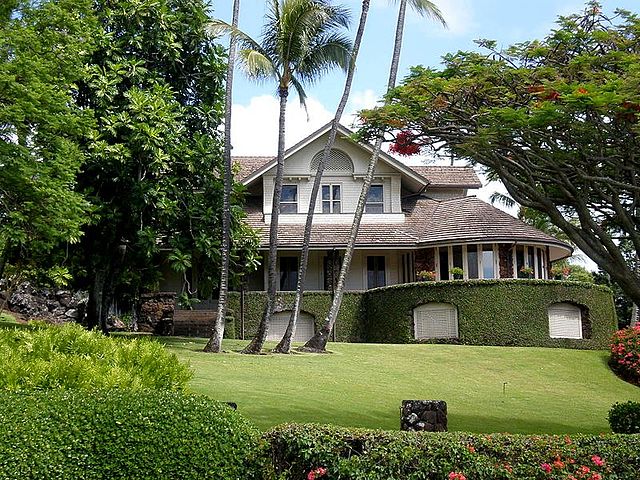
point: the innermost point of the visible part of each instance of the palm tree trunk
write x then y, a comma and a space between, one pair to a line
214, 344
318, 343
272, 281
285, 344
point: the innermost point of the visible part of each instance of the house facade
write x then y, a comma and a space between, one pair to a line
419, 222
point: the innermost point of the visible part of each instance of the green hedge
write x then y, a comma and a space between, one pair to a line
348, 326
491, 312
69, 356
357, 454
123, 434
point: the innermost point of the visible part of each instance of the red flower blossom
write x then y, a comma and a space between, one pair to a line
405, 144
546, 467
456, 476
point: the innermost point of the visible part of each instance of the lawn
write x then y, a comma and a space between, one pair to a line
487, 389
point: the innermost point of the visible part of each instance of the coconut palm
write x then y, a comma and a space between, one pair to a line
285, 344
301, 41
215, 341
319, 341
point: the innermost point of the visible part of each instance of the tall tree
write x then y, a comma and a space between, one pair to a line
43, 50
319, 341
301, 41
215, 341
285, 344
156, 92
556, 120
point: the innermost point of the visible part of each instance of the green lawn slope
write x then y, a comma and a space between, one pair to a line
487, 389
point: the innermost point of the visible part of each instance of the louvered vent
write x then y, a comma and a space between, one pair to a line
435, 320
565, 321
338, 162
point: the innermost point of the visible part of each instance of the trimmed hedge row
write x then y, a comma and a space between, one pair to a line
348, 325
491, 312
124, 434
357, 454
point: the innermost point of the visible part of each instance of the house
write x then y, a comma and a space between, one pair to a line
419, 221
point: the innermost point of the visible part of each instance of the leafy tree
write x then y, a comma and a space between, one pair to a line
43, 50
556, 120
153, 169
319, 341
301, 41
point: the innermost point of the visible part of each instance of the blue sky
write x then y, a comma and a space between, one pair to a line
425, 42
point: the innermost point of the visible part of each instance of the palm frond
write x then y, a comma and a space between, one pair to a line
302, 95
333, 50
426, 9
502, 199
257, 65
219, 27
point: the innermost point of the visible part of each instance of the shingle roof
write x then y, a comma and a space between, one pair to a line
427, 222
447, 176
248, 165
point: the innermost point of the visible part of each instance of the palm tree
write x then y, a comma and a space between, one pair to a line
285, 344
215, 341
319, 341
301, 41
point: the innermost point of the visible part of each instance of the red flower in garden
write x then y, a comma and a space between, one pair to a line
316, 473
405, 144
546, 467
456, 476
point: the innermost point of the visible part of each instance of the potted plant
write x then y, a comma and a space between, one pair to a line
457, 273
426, 275
527, 272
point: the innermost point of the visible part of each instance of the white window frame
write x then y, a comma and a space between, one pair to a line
331, 200
291, 203
381, 203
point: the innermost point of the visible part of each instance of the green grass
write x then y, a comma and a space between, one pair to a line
487, 389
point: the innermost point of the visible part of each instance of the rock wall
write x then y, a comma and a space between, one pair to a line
52, 305
156, 311
424, 415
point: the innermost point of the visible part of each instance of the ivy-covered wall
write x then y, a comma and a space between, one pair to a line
491, 312
348, 326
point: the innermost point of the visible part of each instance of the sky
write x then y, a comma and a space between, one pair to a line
255, 106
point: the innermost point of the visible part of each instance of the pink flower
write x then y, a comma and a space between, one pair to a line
546, 467
597, 461
316, 473
596, 476
456, 476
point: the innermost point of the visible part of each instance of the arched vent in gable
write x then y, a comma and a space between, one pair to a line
339, 162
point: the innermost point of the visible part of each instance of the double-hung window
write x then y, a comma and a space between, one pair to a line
331, 199
375, 200
376, 276
289, 199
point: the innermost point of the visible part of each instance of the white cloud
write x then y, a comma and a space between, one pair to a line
254, 127
458, 14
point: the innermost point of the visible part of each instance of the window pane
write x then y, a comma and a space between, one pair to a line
457, 256
530, 257
289, 193
326, 207
288, 273
375, 272
520, 261
375, 194
288, 208
336, 192
540, 271
472, 261
373, 208
444, 263
336, 207
487, 262
325, 192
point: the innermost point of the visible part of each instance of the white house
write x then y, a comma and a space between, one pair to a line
417, 219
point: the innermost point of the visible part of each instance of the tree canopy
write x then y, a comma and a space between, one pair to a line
556, 120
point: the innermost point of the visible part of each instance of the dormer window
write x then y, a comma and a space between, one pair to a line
289, 199
331, 199
375, 200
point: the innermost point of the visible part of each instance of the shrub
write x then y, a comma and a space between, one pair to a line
625, 353
625, 417
67, 434
47, 357
356, 454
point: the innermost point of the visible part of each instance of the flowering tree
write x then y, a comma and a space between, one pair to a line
555, 120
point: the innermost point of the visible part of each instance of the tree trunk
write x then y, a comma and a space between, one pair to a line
96, 294
285, 344
215, 341
318, 343
272, 282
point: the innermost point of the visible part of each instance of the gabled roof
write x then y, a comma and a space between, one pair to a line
249, 165
385, 157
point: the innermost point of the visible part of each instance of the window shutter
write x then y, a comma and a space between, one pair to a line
436, 320
565, 321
